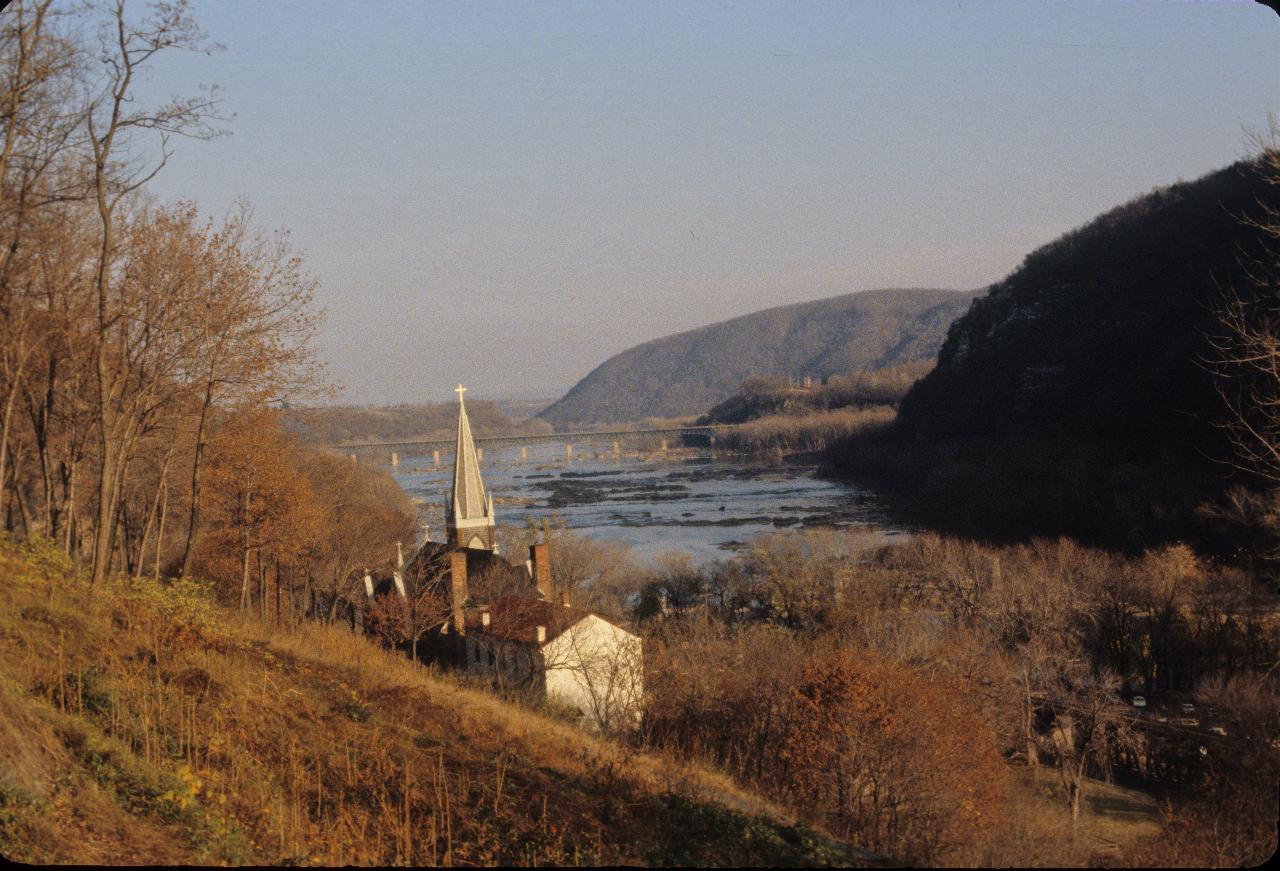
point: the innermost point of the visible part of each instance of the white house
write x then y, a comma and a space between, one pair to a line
568, 654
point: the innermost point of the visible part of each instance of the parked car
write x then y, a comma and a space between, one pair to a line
1139, 701
1218, 730
1187, 721
1188, 708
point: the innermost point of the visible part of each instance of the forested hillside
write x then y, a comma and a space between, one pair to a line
762, 397
689, 372
1078, 395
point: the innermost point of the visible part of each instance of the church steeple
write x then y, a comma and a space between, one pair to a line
469, 513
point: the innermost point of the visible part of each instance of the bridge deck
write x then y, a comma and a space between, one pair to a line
585, 435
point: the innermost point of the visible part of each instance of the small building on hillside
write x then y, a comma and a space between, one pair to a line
503, 622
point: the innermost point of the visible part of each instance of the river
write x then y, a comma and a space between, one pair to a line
706, 505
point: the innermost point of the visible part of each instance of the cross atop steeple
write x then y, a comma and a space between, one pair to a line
459, 390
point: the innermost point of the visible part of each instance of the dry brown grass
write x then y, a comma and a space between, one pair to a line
805, 433
1112, 820
160, 728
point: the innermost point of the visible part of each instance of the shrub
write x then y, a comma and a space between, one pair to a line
899, 763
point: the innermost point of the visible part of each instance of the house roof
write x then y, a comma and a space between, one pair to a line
517, 618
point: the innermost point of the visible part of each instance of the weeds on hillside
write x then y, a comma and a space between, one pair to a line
246, 743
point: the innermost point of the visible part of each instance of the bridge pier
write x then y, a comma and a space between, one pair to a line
597, 443
395, 460
353, 458
480, 455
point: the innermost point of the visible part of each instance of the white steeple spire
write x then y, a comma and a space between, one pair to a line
468, 508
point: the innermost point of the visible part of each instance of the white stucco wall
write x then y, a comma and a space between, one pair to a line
599, 669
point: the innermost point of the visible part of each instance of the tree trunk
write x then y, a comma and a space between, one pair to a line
193, 521
164, 510
4, 436
244, 580
1029, 722
72, 520
125, 540
107, 457
263, 601
153, 512
40, 426
23, 513
1077, 788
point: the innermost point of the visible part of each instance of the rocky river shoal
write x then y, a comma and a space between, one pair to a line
705, 505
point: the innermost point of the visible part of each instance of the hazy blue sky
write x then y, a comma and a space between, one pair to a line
508, 193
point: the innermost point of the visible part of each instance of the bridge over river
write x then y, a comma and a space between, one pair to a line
657, 439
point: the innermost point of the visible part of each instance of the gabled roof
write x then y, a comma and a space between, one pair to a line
517, 618
468, 502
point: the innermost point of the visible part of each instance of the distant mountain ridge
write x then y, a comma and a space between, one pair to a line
687, 373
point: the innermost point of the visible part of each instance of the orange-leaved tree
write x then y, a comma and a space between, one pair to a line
896, 762
263, 513
365, 514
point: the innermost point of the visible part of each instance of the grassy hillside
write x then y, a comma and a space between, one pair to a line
690, 372
140, 723
338, 424
1075, 396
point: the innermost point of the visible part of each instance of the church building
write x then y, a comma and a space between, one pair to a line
504, 622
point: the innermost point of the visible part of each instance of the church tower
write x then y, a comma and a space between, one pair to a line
469, 514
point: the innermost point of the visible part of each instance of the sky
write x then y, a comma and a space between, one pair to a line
505, 194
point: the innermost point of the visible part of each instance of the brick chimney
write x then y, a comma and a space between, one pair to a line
542, 635
458, 588
564, 598
541, 569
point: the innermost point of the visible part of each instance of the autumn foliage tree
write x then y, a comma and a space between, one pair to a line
898, 763
263, 512
291, 527
365, 515
127, 326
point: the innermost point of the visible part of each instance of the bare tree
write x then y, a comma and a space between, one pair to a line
38, 68
114, 125
409, 619
252, 326
1245, 356
1091, 723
